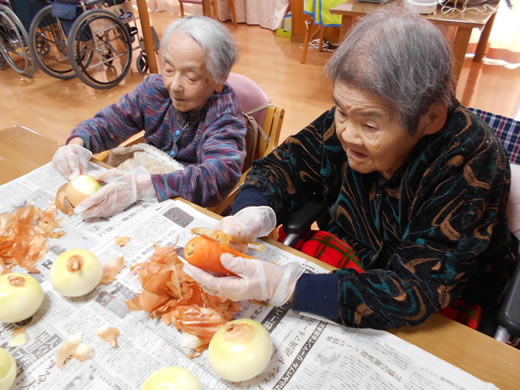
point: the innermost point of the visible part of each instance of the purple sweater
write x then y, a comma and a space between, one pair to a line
212, 151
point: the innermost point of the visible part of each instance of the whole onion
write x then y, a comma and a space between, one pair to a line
80, 188
240, 350
76, 272
171, 378
20, 297
7, 369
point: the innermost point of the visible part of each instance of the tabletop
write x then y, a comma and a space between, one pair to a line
22, 150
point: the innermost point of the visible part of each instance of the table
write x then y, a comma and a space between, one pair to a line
464, 22
474, 352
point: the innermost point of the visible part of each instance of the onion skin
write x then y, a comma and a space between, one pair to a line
240, 350
171, 378
20, 297
76, 272
80, 188
7, 369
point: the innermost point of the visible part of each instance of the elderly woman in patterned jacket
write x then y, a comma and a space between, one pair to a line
188, 111
415, 188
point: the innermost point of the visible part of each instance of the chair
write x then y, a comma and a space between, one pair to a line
508, 131
215, 8
259, 143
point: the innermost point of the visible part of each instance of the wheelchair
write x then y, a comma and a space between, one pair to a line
15, 18
91, 39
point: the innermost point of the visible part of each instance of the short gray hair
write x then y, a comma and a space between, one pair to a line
399, 56
216, 41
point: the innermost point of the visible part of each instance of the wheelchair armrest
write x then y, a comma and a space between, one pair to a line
509, 313
301, 220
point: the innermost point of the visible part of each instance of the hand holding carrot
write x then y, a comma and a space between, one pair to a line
256, 279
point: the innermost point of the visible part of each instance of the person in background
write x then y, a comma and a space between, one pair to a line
187, 111
415, 188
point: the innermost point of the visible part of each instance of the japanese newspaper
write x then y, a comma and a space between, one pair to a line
309, 353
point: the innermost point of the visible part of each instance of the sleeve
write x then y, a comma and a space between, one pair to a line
455, 245
114, 123
292, 173
221, 156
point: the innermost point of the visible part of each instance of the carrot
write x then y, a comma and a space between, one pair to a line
203, 252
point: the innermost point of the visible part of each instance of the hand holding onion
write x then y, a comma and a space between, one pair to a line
20, 297
240, 350
74, 192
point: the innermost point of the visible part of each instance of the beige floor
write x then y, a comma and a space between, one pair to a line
53, 107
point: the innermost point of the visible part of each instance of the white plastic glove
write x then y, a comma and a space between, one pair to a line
71, 160
120, 190
249, 223
257, 279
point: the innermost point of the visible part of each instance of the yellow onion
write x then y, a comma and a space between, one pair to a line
80, 188
240, 350
20, 297
7, 369
76, 272
171, 378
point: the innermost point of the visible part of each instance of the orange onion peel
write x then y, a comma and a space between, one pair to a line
20, 297
170, 294
23, 236
240, 350
7, 369
18, 337
111, 269
109, 334
171, 378
76, 272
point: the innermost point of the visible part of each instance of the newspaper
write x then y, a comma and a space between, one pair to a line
309, 353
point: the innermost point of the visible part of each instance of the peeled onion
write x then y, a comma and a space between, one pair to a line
80, 188
20, 297
76, 272
7, 369
240, 350
171, 378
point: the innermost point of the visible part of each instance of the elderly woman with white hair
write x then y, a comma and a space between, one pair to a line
415, 188
188, 111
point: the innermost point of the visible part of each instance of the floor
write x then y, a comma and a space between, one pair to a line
53, 107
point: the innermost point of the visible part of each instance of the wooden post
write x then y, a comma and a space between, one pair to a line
146, 28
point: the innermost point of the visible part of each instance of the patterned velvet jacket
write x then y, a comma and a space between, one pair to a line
436, 231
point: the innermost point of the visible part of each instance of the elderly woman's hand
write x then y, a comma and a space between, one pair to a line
249, 223
256, 279
120, 190
71, 160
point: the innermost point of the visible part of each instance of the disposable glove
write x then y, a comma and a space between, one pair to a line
120, 190
256, 279
249, 223
71, 160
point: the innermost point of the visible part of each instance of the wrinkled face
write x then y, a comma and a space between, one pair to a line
185, 74
369, 131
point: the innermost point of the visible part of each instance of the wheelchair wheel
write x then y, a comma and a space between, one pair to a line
142, 63
49, 45
100, 49
14, 42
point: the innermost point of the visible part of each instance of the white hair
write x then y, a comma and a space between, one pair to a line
216, 41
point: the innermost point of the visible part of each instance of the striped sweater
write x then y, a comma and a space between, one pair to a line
212, 148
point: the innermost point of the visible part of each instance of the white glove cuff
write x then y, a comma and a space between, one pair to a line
284, 290
144, 185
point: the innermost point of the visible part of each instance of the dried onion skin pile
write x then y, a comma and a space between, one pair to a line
23, 236
169, 293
